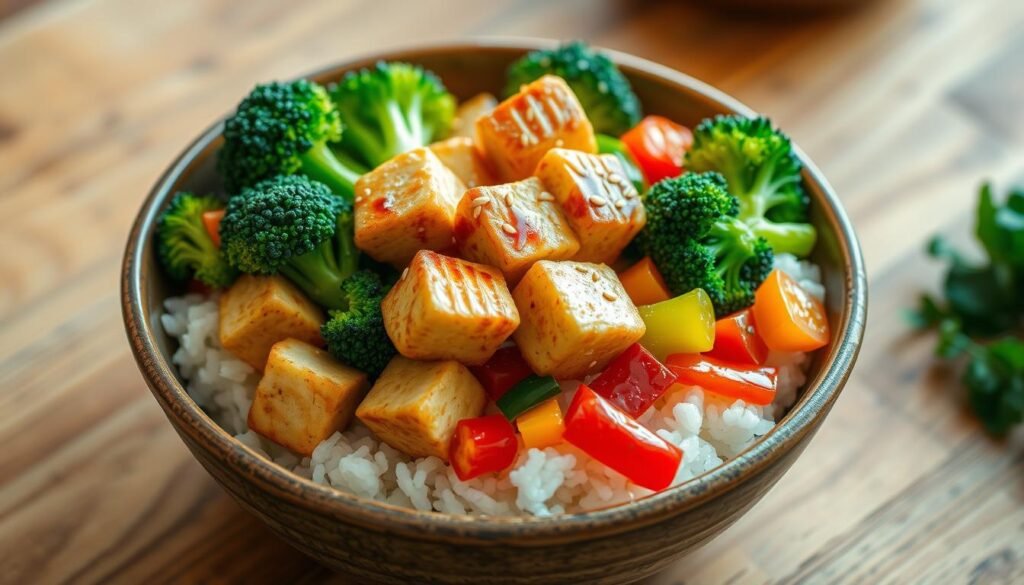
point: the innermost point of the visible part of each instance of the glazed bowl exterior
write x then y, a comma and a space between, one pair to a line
379, 542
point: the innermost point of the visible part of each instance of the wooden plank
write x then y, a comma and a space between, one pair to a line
906, 105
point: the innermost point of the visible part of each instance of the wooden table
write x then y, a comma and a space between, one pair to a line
906, 105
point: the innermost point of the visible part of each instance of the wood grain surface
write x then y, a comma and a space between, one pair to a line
905, 104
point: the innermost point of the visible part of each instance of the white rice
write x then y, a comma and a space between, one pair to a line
556, 480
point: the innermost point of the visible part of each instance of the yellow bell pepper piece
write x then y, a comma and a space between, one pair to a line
542, 425
685, 324
644, 284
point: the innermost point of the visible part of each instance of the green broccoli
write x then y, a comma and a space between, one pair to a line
294, 226
602, 89
283, 129
184, 246
390, 109
695, 239
762, 171
356, 335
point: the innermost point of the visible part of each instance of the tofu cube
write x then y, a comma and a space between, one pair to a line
511, 226
446, 308
576, 317
470, 111
601, 204
405, 205
462, 158
258, 311
414, 406
544, 114
304, 396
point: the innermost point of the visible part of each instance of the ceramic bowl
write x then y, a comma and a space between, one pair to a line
375, 541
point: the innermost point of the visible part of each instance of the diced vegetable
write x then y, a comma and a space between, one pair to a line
258, 311
526, 394
634, 380
644, 284
737, 341
575, 317
754, 385
211, 221
788, 318
448, 308
470, 111
609, 145
304, 396
685, 324
482, 445
542, 426
659, 146
505, 369
461, 157
415, 406
608, 435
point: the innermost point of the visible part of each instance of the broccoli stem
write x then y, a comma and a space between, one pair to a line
318, 274
786, 238
320, 163
202, 248
404, 132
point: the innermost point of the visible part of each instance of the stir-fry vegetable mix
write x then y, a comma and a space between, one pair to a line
504, 288
982, 314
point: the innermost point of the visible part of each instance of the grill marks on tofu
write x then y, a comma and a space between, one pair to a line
447, 308
543, 115
512, 226
600, 203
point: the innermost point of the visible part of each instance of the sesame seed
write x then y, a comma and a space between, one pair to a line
620, 203
614, 178
405, 272
509, 228
629, 193
508, 199
545, 196
595, 276
597, 201
559, 143
476, 211
367, 191
481, 200
580, 269
609, 296
592, 364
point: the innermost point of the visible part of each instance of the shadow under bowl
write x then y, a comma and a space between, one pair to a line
376, 541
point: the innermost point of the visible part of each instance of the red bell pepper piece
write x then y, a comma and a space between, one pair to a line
481, 445
659, 146
610, 436
737, 341
505, 369
751, 384
633, 380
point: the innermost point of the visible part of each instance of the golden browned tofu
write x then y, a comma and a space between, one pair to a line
258, 311
576, 317
470, 111
601, 204
544, 114
447, 308
414, 406
304, 396
511, 226
405, 205
462, 158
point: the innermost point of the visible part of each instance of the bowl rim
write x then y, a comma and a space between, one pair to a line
818, 396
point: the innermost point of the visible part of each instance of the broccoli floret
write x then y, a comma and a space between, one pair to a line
356, 335
184, 246
762, 171
294, 226
602, 89
696, 241
390, 109
283, 129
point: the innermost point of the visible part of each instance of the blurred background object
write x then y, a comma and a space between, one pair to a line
906, 105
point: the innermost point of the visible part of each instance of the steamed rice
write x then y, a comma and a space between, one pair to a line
555, 480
